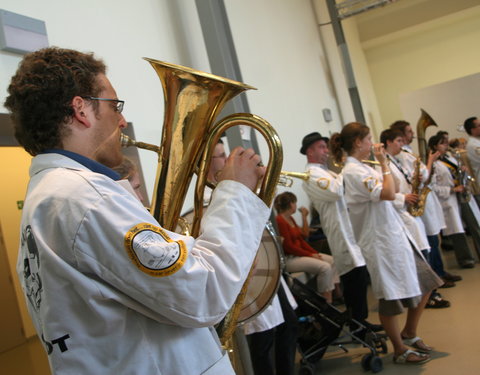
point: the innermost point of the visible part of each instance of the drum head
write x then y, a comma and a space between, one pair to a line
265, 277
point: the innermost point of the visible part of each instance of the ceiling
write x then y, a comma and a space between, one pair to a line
400, 14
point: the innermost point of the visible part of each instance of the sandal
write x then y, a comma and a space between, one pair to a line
418, 344
403, 358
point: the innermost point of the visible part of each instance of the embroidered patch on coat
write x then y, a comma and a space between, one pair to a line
153, 251
370, 183
323, 183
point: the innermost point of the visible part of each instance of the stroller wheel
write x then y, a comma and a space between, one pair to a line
376, 364
307, 369
372, 363
366, 361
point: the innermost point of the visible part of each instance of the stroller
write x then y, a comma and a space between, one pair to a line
320, 325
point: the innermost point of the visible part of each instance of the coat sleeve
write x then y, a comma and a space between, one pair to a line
172, 278
399, 201
364, 184
441, 183
322, 186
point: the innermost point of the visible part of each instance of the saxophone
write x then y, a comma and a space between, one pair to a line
418, 208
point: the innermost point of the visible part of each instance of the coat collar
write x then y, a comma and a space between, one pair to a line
76, 161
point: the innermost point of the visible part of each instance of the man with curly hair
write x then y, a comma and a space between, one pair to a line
113, 291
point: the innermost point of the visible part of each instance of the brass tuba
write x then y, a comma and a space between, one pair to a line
423, 123
193, 99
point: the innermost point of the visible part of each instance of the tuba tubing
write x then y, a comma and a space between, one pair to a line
267, 191
193, 99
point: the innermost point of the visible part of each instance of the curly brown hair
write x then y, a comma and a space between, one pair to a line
41, 92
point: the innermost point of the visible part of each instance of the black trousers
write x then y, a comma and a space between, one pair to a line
435, 258
463, 252
471, 224
273, 351
355, 283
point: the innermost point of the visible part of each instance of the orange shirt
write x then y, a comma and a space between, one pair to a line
293, 241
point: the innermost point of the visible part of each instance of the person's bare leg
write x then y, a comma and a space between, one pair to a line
411, 324
390, 326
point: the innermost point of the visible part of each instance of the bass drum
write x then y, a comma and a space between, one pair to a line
265, 276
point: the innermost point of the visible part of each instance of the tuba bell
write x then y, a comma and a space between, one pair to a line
423, 123
193, 99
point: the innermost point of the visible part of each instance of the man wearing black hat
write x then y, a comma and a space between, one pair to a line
325, 190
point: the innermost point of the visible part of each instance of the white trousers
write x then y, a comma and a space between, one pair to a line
323, 269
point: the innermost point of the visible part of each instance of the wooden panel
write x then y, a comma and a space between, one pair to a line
14, 163
10, 319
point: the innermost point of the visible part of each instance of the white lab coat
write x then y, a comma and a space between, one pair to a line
442, 185
472, 201
414, 224
109, 293
272, 316
432, 217
444, 182
325, 190
380, 233
473, 153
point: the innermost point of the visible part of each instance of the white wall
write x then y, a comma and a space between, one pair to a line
449, 104
420, 56
280, 52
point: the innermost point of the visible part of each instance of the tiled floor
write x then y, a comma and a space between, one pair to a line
452, 331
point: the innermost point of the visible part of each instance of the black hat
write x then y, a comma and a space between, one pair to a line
310, 139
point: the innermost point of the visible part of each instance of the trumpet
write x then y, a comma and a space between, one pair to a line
286, 178
370, 162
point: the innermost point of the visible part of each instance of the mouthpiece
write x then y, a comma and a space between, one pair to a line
126, 141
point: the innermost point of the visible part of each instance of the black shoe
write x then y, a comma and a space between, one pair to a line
467, 265
447, 284
436, 303
373, 327
450, 277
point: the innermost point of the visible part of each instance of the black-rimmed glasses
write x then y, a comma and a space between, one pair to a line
118, 103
